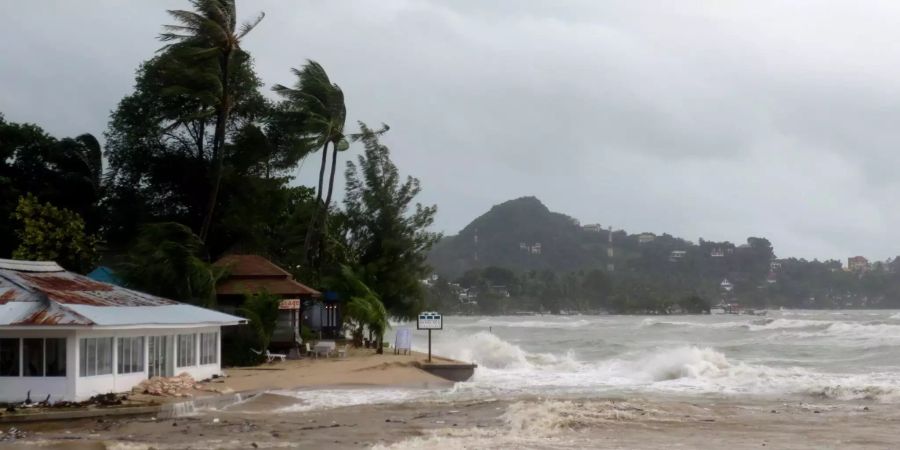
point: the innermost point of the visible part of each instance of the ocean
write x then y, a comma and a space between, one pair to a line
798, 355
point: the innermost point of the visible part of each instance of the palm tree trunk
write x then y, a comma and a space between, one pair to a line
313, 222
324, 215
218, 151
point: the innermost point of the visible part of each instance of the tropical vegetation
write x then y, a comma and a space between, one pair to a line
199, 161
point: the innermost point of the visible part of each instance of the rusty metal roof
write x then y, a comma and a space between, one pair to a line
58, 297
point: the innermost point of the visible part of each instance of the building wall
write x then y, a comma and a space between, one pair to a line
16, 389
76, 388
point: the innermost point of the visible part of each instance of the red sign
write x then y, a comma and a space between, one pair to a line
289, 303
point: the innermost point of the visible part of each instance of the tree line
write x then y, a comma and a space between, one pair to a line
198, 162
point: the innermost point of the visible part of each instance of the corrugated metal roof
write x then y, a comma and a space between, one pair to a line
178, 314
30, 266
29, 298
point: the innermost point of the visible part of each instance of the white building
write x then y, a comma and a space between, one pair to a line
70, 337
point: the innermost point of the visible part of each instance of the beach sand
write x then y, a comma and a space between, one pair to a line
362, 367
277, 419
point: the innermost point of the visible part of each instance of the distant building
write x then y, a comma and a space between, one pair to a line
774, 265
593, 228
645, 238
726, 285
677, 255
717, 252
857, 264
531, 249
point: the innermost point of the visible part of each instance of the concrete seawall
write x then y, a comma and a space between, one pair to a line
452, 371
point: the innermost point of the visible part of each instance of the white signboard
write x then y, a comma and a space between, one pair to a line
430, 321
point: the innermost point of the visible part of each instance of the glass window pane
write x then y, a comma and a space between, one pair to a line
82, 357
9, 357
137, 358
55, 351
33, 357
104, 356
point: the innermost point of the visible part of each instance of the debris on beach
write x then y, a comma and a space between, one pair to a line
177, 386
11, 435
109, 399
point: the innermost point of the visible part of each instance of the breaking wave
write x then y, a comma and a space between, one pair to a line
533, 323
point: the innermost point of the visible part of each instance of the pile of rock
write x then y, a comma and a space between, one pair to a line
178, 386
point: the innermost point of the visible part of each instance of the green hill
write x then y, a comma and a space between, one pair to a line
522, 235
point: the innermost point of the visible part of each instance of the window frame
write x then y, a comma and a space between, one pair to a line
209, 348
90, 346
182, 356
128, 361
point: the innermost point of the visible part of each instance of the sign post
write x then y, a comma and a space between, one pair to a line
430, 321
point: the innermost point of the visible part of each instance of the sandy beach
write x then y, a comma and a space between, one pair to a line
362, 367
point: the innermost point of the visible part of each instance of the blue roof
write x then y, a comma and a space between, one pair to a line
104, 274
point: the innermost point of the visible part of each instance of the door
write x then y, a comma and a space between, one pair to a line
159, 352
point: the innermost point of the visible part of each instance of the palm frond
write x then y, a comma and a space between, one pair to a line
247, 27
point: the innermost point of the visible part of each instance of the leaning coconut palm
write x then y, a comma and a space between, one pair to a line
364, 310
209, 37
321, 104
318, 103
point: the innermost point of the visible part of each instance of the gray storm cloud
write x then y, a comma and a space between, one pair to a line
705, 119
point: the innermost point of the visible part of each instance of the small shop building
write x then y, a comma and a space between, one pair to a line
254, 274
69, 337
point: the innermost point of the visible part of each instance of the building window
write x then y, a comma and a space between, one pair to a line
96, 356
187, 350
44, 357
130, 354
9, 357
33, 357
209, 348
55, 357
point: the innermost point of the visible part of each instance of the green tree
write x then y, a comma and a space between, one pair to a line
390, 241
48, 233
64, 172
208, 38
166, 259
261, 311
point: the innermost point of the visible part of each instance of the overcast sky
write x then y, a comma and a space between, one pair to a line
708, 119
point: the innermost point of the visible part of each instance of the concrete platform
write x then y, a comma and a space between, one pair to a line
449, 371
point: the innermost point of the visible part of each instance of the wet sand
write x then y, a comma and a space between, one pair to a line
527, 423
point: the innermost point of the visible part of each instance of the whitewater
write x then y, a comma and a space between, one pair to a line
797, 355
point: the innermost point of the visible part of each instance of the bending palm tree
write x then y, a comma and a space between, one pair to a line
322, 104
209, 34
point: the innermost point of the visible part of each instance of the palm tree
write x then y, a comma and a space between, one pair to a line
210, 34
364, 309
321, 103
